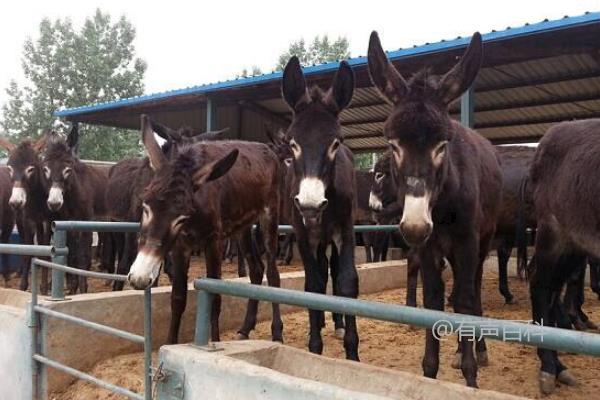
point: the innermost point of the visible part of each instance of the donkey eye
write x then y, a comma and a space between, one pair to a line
295, 148
29, 171
67, 172
287, 162
379, 176
10, 171
47, 172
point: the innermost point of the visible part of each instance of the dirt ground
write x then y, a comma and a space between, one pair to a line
513, 368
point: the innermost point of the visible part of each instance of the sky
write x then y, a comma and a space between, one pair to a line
190, 43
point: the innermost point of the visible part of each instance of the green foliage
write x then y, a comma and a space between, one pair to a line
66, 68
321, 50
254, 71
365, 161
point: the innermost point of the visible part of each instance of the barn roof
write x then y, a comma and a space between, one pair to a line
532, 76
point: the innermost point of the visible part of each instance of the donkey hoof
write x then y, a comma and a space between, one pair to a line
511, 300
482, 359
567, 378
591, 325
241, 336
340, 333
547, 382
457, 362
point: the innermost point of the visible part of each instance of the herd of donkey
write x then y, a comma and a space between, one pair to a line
453, 195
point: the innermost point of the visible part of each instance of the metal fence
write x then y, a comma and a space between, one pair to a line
529, 334
58, 252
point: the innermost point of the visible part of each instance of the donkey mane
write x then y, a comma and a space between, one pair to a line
174, 183
57, 149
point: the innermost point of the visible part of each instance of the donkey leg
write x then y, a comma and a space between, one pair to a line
214, 251
269, 222
128, 254
433, 298
466, 256
412, 273
27, 238
338, 319
315, 282
256, 270
504, 250
181, 264
595, 276
347, 286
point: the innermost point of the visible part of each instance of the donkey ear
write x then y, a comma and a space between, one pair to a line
342, 88
8, 146
210, 136
462, 75
155, 154
164, 131
383, 74
215, 169
73, 138
293, 85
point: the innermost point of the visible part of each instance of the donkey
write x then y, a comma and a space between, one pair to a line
7, 219
449, 180
75, 192
205, 194
323, 190
127, 181
565, 193
28, 199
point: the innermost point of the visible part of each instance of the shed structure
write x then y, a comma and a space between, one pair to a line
532, 76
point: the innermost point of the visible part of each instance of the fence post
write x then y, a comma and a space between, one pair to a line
59, 239
33, 325
147, 344
203, 309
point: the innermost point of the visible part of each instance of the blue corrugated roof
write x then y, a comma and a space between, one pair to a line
444, 45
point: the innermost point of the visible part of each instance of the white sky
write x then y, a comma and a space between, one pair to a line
189, 43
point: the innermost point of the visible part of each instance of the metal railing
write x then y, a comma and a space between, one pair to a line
39, 358
540, 336
58, 252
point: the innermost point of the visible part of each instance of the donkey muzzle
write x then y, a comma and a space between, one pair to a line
416, 224
18, 198
144, 270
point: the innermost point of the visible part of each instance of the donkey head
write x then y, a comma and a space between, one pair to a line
168, 201
59, 167
383, 190
314, 135
419, 129
24, 168
185, 135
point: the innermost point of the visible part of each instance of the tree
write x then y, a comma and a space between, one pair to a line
69, 68
319, 51
254, 71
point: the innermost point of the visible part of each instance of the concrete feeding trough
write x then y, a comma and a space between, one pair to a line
259, 369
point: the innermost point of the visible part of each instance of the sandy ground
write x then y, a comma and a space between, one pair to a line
513, 368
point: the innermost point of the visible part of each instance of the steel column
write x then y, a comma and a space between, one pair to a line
33, 325
467, 108
211, 115
203, 310
58, 277
147, 344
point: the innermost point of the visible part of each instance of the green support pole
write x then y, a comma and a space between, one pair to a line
203, 309
467, 108
58, 277
211, 115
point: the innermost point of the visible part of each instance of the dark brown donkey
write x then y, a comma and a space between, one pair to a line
324, 189
7, 219
75, 192
565, 194
28, 199
202, 195
449, 180
127, 181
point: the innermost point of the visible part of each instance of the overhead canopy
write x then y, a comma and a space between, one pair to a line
532, 76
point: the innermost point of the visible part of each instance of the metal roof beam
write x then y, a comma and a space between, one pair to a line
536, 121
528, 82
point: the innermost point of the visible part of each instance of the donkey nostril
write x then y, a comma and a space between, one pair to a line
323, 205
